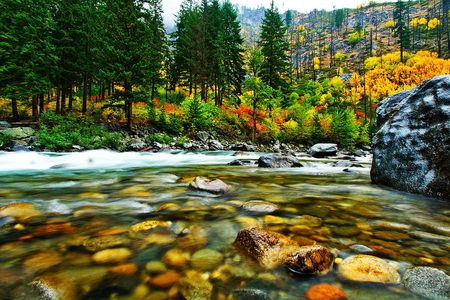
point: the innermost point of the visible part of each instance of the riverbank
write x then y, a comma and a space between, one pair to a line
147, 139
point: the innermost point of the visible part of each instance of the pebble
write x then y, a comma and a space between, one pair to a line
41, 261
302, 230
305, 220
176, 257
391, 235
165, 280
116, 255
325, 292
206, 259
195, 288
103, 242
125, 269
259, 207
54, 286
150, 224
155, 267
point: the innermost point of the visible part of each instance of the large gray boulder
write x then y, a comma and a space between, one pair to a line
278, 161
411, 146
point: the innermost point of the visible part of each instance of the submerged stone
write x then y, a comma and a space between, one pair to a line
368, 268
56, 287
206, 259
325, 292
211, 186
315, 259
195, 288
20, 211
429, 282
259, 207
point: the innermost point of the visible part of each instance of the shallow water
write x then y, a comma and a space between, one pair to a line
99, 195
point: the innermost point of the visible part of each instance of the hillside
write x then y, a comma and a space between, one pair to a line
324, 34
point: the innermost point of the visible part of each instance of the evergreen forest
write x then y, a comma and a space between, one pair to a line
288, 77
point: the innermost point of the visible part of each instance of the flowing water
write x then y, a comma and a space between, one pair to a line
84, 204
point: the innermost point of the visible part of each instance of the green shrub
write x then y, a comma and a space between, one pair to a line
4, 139
62, 132
161, 138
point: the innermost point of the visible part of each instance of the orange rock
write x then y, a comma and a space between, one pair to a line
126, 269
53, 229
325, 292
165, 280
41, 261
110, 231
176, 257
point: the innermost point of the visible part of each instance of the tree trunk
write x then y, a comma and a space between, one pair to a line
41, 103
34, 108
85, 86
15, 111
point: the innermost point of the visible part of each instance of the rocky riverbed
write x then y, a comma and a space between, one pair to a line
139, 226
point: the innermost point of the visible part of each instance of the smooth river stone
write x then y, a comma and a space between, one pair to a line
41, 261
20, 211
259, 207
368, 268
325, 292
211, 186
176, 257
195, 288
206, 259
391, 235
116, 255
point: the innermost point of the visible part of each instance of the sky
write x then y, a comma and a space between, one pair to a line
171, 7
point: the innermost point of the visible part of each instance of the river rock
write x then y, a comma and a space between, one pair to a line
217, 186
315, 259
195, 288
411, 147
176, 257
20, 211
41, 261
368, 268
215, 145
240, 146
250, 294
264, 246
165, 280
259, 207
116, 255
56, 287
322, 150
103, 242
325, 292
278, 161
20, 132
432, 283
206, 259
271, 249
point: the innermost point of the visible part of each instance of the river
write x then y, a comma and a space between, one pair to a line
88, 202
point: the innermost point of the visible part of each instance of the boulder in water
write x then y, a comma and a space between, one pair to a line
322, 150
212, 186
411, 147
278, 161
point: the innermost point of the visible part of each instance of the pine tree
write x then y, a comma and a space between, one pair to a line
401, 29
275, 67
27, 54
129, 40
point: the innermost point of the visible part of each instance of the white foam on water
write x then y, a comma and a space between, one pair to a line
105, 159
